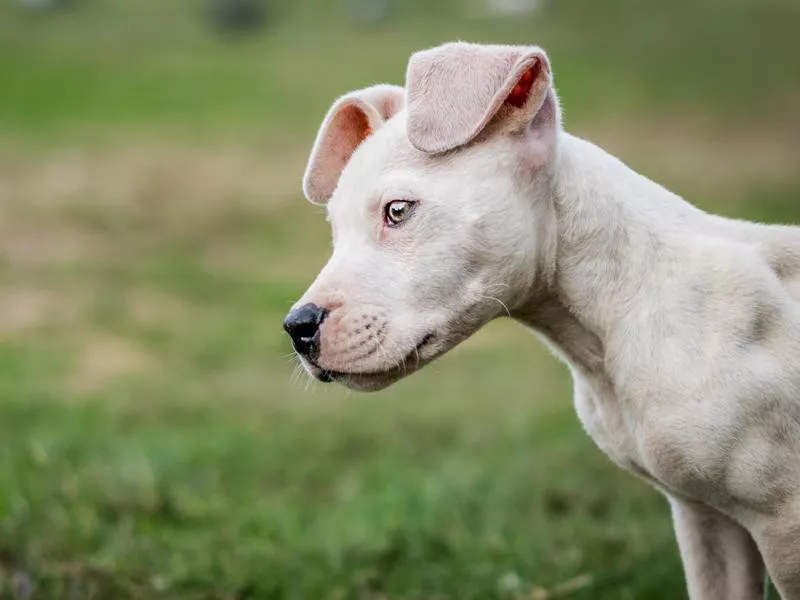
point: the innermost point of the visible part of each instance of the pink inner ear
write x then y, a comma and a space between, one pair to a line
346, 131
356, 125
345, 136
522, 90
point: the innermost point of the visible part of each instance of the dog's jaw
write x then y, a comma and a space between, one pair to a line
371, 381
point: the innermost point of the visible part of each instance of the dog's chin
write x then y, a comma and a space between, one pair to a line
372, 381
368, 382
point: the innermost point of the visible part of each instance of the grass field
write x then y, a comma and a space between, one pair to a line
157, 440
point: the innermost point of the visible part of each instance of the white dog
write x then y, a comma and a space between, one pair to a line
460, 195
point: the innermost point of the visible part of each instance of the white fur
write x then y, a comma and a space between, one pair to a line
681, 328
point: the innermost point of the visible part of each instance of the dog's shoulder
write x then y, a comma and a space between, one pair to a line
725, 298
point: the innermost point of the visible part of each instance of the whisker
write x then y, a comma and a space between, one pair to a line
401, 362
298, 373
383, 352
500, 302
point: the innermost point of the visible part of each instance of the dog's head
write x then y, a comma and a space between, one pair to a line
435, 194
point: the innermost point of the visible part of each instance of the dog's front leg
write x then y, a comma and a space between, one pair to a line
720, 558
779, 539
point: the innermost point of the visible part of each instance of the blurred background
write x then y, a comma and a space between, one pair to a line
157, 441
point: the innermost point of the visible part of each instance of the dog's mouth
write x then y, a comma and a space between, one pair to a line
411, 362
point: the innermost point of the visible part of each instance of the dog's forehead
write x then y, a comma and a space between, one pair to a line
385, 156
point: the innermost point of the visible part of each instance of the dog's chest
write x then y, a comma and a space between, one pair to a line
604, 419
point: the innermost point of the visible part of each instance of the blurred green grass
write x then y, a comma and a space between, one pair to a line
152, 235
144, 64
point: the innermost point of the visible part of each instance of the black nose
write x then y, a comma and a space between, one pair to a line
302, 325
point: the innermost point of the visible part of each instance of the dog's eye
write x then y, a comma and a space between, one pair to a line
398, 211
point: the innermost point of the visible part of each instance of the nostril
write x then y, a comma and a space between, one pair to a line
301, 328
302, 325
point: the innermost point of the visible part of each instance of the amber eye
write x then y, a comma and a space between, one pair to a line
397, 211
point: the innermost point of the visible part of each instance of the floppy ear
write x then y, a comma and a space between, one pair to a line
350, 120
457, 89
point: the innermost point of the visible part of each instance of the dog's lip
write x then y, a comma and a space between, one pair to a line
327, 375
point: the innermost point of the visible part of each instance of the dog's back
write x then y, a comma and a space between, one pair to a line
780, 246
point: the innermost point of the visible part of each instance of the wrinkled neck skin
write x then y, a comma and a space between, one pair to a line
608, 226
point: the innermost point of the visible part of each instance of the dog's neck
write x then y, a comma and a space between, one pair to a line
608, 227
